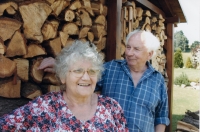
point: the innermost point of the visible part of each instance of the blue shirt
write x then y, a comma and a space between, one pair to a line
145, 105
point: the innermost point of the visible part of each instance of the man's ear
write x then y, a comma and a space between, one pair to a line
150, 54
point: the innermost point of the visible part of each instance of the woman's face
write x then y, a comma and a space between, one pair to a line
81, 79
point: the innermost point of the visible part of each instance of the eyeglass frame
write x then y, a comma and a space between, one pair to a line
83, 72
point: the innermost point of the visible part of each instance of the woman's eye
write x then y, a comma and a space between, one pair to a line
78, 71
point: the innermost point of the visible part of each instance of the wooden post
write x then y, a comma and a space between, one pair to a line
112, 50
168, 46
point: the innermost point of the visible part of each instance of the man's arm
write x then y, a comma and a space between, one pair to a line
160, 128
47, 65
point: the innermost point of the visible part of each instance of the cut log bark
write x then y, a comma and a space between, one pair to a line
22, 68
69, 15
84, 32
58, 5
30, 90
10, 7
8, 89
186, 127
53, 47
50, 78
36, 74
8, 27
17, 46
97, 7
39, 11
7, 67
71, 29
34, 50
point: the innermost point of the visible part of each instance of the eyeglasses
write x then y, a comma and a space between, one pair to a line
80, 72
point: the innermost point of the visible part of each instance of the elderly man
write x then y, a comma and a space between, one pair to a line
135, 84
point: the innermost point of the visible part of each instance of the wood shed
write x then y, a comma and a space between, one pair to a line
31, 30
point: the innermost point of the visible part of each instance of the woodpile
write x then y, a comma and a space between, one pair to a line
133, 17
190, 122
31, 30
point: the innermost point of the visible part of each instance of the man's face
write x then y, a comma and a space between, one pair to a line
136, 53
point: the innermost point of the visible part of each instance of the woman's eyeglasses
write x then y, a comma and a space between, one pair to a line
80, 72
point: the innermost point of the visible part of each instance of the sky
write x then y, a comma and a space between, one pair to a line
191, 29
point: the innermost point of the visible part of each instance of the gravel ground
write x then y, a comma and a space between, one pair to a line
7, 105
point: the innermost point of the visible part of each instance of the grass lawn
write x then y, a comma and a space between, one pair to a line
184, 98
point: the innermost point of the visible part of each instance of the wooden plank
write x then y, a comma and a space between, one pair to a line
168, 46
151, 7
112, 49
174, 19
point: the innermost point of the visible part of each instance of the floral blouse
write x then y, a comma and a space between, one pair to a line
50, 113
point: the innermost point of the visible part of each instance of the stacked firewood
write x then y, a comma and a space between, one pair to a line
190, 122
133, 17
31, 30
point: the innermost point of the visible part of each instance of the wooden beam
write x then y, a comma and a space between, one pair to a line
151, 6
169, 49
174, 19
112, 50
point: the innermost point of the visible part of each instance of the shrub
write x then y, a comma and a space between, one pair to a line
182, 79
178, 59
188, 63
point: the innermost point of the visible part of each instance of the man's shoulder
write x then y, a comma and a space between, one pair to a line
115, 62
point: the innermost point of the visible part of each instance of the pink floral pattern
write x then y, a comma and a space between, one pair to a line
50, 113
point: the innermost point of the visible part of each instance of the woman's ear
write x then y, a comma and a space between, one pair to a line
62, 80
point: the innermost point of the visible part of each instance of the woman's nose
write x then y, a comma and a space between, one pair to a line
85, 75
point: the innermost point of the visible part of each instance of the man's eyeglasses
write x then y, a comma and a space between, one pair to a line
80, 72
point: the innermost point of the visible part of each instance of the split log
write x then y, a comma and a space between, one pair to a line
87, 6
49, 30
83, 32
8, 89
30, 90
8, 27
69, 15
98, 30
90, 36
50, 78
36, 74
139, 11
50, 88
7, 67
53, 47
2, 47
58, 5
63, 38
17, 46
71, 29
85, 17
34, 50
182, 126
100, 20
10, 7
75, 5
22, 68
97, 7
39, 11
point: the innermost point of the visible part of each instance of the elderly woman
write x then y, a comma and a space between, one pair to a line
77, 108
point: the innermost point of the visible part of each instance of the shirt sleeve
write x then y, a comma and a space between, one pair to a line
162, 110
119, 117
99, 84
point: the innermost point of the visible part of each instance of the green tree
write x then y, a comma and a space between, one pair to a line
194, 45
188, 63
178, 59
180, 41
